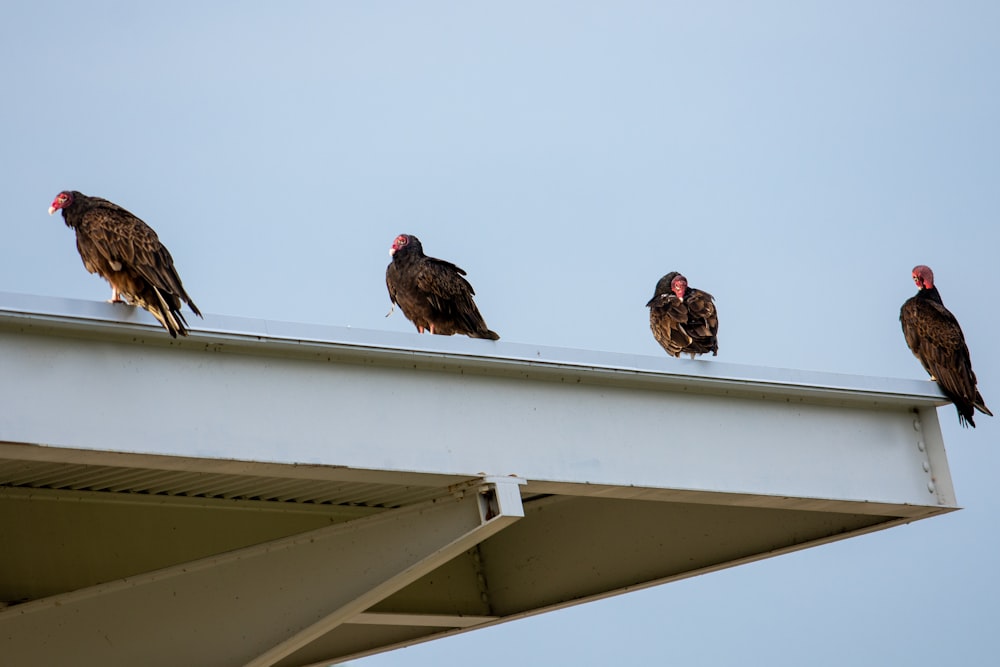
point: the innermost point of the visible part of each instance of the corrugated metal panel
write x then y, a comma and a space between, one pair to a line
86, 477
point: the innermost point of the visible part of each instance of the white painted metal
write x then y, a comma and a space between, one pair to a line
555, 417
628, 472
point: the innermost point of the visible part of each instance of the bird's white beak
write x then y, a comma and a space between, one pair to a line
52, 209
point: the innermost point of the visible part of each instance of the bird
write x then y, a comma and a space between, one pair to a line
683, 319
934, 336
432, 293
125, 251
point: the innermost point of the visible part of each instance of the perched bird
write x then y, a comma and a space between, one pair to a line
126, 252
935, 338
431, 292
683, 319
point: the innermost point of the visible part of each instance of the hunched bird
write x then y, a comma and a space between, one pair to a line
683, 319
432, 293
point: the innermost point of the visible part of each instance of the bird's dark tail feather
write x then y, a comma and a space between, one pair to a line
168, 322
172, 320
489, 335
981, 405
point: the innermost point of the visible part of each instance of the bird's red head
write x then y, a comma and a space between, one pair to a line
679, 286
401, 241
62, 200
923, 277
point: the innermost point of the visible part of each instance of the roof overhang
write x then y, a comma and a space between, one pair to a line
336, 492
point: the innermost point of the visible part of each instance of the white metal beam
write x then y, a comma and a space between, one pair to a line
256, 605
334, 395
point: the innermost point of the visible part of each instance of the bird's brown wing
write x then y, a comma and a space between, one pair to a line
128, 244
667, 318
703, 321
444, 285
450, 295
669, 306
392, 281
935, 338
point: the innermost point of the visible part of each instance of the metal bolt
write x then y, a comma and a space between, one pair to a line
916, 424
927, 466
920, 445
930, 486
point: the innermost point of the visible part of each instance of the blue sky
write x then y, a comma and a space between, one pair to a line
796, 159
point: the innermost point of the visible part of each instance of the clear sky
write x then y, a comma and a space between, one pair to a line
796, 159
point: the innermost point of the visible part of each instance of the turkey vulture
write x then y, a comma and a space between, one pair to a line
935, 338
126, 252
683, 319
431, 292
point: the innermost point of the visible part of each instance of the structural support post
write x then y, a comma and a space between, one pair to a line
255, 606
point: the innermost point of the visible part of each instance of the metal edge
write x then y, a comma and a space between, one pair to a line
105, 320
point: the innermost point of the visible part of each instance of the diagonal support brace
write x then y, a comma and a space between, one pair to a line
257, 605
